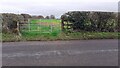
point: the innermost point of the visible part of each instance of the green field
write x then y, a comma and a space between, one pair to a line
45, 20
42, 26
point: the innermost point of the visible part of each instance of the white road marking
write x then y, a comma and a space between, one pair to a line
55, 53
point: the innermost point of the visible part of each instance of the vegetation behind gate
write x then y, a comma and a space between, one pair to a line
42, 26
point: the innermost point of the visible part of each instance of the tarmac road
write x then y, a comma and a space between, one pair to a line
61, 53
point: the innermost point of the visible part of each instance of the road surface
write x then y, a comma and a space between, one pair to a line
61, 53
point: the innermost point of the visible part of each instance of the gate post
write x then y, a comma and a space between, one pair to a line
62, 25
29, 24
18, 28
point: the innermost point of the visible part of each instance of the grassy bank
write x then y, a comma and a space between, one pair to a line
61, 36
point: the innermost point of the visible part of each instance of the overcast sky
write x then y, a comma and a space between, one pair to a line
56, 7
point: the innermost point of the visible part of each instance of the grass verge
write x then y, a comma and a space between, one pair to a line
61, 36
